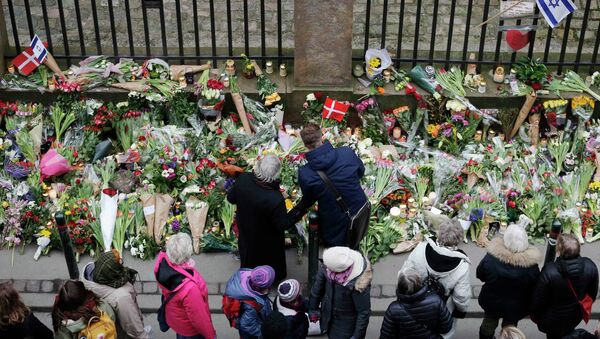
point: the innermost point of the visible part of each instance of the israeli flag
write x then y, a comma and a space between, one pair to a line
39, 50
555, 10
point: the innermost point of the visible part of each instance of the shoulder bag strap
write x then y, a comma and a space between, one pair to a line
572, 289
338, 198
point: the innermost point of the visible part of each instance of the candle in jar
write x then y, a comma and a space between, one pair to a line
482, 87
282, 71
225, 80
11, 69
230, 67
182, 82
478, 135
358, 71
387, 75
269, 67
412, 212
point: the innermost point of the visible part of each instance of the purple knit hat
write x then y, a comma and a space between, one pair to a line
262, 277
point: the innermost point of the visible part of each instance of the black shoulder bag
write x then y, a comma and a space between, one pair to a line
359, 223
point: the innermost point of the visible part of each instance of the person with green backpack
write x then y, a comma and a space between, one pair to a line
79, 313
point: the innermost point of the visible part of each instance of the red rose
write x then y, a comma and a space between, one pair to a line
536, 86
141, 138
512, 204
109, 191
318, 95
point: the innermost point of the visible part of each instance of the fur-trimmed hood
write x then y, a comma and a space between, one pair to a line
529, 257
363, 281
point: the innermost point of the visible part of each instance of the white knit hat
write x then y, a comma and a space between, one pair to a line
338, 259
288, 290
515, 238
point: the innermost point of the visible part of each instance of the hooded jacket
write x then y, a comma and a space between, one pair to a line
30, 328
69, 329
421, 315
508, 280
297, 321
251, 320
451, 267
345, 309
187, 313
554, 307
123, 300
344, 169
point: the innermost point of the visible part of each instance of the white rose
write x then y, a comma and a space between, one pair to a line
311, 97
386, 154
183, 179
165, 173
170, 170
395, 212
134, 251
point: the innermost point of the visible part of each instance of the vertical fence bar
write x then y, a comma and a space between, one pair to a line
498, 43
113, 30
29, 19
467, 30
513, 56
279, 33
533, 33
163, 29
263, 48
436, 4
367, 24
96, 27
80, 29
213, 32
146, 32
13, 23
486, 10
586, 13
595, 54
384, 23
563, 48
229, 29
400, 28
196, 29
416, 42
548, 42
47, 26
180, 30
129, 29
246, 31
63, 27
450, 31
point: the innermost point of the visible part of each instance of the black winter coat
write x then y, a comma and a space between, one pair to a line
345, 169
345, 310
31, 328
508, 281
262, 219
554, 307
297, 321
421, 315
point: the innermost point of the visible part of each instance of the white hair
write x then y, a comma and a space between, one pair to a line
268, 168
179, 248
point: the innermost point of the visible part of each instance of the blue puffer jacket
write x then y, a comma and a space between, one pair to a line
251, 320
344, 169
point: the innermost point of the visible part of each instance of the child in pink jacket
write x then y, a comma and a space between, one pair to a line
187, 313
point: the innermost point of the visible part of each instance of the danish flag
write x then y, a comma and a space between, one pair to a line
27, 62
333, 109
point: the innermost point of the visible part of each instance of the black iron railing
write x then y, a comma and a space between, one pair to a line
138, 45
442, 49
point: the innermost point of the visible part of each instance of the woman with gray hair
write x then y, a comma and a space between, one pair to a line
439, 260
261, 216
416, 313
184, 291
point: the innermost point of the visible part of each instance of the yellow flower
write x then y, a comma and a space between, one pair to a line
288, 204
45, 233
5, 204
223, 150
374, 62
595, 186
434, 130
67, 213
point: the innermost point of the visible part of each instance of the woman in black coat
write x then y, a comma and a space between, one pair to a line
509, 272
416, 313
261, 217
555, 308
342, 293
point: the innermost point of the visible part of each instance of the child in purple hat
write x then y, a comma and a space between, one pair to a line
246, 300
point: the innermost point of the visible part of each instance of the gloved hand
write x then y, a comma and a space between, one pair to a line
313, 316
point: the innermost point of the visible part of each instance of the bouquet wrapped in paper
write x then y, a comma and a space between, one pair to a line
196, 211
377, 60
108, 215
53, 164
583, 107
556, 114
163, 206
523, 113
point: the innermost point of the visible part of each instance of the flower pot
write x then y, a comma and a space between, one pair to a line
249, 74
210, 112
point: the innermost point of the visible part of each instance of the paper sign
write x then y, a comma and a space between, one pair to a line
516, 9
148, 210
39, 50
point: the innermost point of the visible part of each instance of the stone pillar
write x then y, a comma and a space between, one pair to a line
323, 43
3, 41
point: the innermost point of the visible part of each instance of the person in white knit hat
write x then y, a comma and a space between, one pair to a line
341, 294
290, 303
509, 272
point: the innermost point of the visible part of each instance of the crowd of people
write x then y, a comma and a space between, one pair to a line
433, 286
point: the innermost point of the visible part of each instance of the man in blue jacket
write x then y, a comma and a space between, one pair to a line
344, 169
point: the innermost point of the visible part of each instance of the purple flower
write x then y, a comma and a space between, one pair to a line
228, 183
476, 214
447, 132
175, 225
173, 164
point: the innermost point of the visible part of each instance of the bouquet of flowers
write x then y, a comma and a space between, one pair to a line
372, 117
312, 108
211, 99
583, 107
556, 114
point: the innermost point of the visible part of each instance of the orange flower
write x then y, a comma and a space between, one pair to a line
381, 90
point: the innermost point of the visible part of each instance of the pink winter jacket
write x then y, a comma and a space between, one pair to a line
188, 312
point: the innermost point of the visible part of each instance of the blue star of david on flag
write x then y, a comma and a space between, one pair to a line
555, 10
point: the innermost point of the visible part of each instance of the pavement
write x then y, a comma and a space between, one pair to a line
38, 282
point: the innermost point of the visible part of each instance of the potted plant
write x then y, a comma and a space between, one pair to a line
248, 70
211, 99
532, 72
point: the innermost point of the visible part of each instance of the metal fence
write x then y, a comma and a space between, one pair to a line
111, 38
555, 49
416, 31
